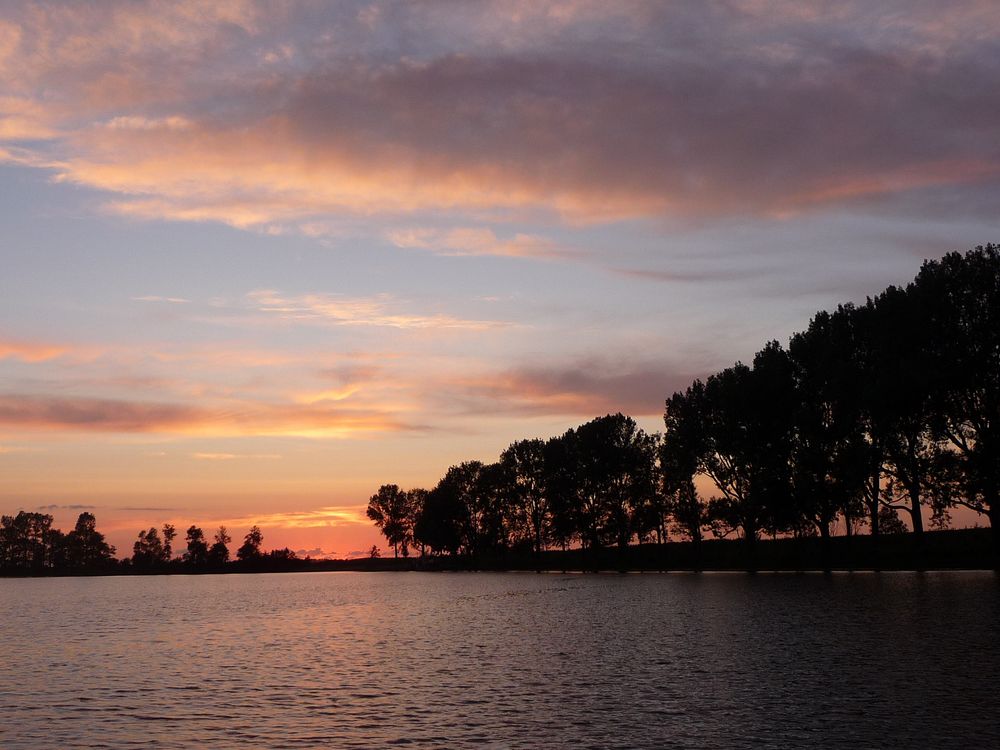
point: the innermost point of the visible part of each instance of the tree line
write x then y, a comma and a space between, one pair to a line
875, 410
29, 543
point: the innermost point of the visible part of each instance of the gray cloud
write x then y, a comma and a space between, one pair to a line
642, 109
54, 506
587, 387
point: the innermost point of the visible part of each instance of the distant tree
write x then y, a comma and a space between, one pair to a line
608, 474
652, 509
561, 489
169, 534
250, 549
747, 415
415, 499
389, 508
442, 520
218, 553
829, 453
681, 452
482, 492
27, 541
523, 466
890, 521
901, 384
197, 548
85, 546
147, 552
373, 553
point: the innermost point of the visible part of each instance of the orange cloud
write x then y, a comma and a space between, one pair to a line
325, 517
477, 241
358, 311
30, 351
82, 414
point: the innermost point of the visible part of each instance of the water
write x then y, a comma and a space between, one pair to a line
337, 660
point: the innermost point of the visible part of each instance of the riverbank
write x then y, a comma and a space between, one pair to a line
957, 549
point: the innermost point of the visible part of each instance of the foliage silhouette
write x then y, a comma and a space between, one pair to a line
890, 406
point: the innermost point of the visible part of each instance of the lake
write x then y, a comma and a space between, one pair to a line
333, 660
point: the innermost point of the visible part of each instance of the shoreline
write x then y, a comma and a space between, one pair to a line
939, 551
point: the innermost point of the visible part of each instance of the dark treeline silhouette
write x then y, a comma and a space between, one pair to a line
29, 545
889, 407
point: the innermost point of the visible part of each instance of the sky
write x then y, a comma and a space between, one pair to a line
260, 258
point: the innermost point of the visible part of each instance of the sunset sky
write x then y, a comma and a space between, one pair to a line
260, 258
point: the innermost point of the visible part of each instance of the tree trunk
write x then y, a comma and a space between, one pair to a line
915, 515
873, 500
750, 548
538, 549
824, 534
994, 516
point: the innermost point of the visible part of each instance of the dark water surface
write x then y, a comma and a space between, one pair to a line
331, 660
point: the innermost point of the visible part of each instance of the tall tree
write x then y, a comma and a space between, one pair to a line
900, 385
442, 520
523, 464
614, 464
961, 298
250, 549
169, 534
218, 553
86, 547
147, 552
747, 415
561, 492
681, 453
415, 499
476, 488
197, 548
828, 452
389, 508
27, 541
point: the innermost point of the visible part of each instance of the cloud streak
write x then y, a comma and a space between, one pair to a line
83, 414
382, 311
583, 388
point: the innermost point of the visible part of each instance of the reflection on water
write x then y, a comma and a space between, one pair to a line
330, 660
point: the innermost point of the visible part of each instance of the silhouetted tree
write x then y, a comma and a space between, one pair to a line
890, 522
197, 548
441, 521
681, 452
829, 452
218, 553
415, 499
390, 509
960, 296
561, 489
169, 534
147, 552
250, 549
608, 475
85, 547
901, 386
27, 541
523, 465
747, 415
493, 507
